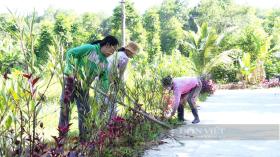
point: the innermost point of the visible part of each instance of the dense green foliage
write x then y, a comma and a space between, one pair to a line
230, 42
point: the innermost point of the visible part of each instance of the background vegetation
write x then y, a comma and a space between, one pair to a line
217, 38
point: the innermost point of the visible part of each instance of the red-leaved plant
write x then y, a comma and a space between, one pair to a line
271, 83
60, 140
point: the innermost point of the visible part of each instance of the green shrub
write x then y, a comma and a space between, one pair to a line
272, 67
224, 73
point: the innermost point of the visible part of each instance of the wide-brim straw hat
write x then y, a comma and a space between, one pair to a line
132, 47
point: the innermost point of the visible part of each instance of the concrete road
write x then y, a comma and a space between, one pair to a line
234, 123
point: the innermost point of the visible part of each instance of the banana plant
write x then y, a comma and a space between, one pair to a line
246, 67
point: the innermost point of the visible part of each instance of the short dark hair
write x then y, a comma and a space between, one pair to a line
167, 81
108, 40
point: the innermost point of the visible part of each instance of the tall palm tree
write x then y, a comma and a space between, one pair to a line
203, 49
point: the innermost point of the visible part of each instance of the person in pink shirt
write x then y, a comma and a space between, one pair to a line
184, 89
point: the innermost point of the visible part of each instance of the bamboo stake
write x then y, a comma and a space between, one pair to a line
139, 111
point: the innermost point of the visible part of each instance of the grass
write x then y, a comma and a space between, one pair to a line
49, 115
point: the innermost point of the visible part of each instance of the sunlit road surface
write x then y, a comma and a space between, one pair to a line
243, 123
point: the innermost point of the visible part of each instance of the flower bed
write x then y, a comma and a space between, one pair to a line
241, 85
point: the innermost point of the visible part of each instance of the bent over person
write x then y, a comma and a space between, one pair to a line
184, 88
120, 59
